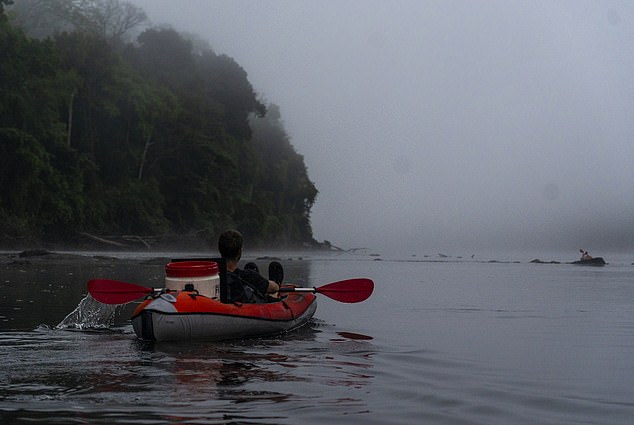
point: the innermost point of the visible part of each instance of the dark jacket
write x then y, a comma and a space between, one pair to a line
246, 286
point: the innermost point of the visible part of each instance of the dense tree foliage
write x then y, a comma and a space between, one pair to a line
153, 138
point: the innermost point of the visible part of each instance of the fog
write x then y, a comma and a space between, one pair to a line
433, 126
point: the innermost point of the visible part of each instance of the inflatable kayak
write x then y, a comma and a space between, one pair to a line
196, 304
187, 315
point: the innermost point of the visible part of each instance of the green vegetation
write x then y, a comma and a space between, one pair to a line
160, 137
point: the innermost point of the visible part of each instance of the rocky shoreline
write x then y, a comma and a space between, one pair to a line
41, 256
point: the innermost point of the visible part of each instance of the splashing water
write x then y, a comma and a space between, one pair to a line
90, 314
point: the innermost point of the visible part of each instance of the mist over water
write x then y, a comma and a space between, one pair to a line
446, 125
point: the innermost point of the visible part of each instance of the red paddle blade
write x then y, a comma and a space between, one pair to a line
349, 290
115, 292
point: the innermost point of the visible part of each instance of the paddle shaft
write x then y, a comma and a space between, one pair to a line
291, 289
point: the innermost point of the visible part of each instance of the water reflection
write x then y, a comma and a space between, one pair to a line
257, 370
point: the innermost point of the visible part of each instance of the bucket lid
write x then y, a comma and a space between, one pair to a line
191, 269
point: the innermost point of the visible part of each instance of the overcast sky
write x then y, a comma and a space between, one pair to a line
430, 126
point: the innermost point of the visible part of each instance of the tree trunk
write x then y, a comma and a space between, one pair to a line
70, 117
148, 143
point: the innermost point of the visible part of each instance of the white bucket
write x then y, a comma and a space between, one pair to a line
201, 275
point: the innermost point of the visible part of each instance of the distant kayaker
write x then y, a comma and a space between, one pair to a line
584, 255
246, 285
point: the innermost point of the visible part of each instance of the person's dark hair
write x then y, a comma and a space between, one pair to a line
230, 244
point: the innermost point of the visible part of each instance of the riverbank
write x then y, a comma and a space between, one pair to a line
42, 256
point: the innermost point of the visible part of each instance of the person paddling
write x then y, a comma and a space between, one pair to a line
584, 255
247, 285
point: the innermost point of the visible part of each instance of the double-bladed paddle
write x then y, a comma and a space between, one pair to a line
110, 291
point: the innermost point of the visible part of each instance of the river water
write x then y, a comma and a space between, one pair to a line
442, 340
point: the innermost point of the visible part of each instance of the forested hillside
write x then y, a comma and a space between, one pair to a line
107, 134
